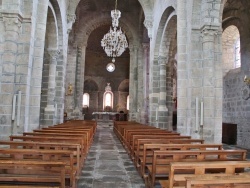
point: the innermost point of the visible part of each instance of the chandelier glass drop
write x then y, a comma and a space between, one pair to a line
114, 42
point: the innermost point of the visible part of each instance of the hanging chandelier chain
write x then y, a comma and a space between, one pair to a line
115, 4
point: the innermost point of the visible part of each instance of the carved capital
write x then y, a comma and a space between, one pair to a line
71, 18
145, 46
54, 54
208, 32
148, 23
12, 23
162, 60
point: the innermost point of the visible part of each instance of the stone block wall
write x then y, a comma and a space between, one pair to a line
236, 109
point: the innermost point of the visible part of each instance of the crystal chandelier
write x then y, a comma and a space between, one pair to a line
114, 42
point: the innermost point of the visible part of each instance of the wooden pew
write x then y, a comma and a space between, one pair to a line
138, 150
74, 140
133, 141
119, 130
147, 155
128, 133
26, 172
43, 155
237, 180
75, 148
129, 137
89, 140
83, 135
178, 176
89, 135
161, 160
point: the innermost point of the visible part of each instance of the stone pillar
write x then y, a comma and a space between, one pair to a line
162, 111
12, 29
154, 92
140, 88
182, 67
50, 110
80, 67
145, 83
211, 130
169, 95
36, 58
133, 84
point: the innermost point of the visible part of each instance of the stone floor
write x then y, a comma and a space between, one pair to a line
108, 165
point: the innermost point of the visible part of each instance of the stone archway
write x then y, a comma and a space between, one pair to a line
166, 35
235, 18
48, 106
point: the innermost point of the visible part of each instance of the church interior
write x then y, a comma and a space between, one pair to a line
174, 65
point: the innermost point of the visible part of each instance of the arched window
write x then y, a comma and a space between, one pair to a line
237, 59
108, 101
85, 100
128, 102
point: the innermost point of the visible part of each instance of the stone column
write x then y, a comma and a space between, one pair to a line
182, 67
169, 95
140, 100
145, 83
133, 84
162, 111
80, 62
50, 111
212, 87
12, 29
36, 58
154, 92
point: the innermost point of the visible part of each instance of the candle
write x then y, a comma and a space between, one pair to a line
156, 114
202, 109
196, 113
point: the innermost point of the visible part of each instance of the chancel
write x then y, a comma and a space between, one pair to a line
110, 77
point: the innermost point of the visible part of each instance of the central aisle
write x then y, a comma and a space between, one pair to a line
108, 164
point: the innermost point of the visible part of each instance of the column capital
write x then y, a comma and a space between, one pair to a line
71, 18
53, 53
210, 31
12, 22
148, 23
145, 46
162, 60
133, 49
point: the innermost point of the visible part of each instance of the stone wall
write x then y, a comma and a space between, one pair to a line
236, 109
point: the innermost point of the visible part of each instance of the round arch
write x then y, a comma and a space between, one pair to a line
105, 19
168, 13
229, 37
90, 85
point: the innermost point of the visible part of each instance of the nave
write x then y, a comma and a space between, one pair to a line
108, 164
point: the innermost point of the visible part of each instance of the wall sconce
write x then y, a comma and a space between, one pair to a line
247, 80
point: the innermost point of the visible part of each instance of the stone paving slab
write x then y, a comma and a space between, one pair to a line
108, 164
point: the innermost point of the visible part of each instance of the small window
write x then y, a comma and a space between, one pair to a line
108, 101
85, 100
128, 102
237, 59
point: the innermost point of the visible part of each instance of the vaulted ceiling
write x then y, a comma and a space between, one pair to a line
93, 18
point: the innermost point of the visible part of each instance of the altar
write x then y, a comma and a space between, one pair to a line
104, 116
